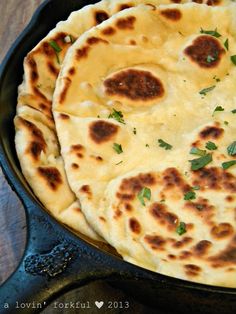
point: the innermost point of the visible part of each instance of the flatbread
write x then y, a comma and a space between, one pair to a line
138, 98
41, 68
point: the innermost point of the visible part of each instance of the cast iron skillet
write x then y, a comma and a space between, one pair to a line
55, 260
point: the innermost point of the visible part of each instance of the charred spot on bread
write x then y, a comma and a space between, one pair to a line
135, 85
102, 131
51, 175
172, 14
203, 47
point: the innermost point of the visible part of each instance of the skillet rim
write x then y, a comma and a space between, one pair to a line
14, 176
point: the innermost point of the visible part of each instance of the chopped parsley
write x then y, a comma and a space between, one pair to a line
196, 187
120, 162
226, 44
212, 33
163, 144
233, 59
117, 115
210, 58
191, 195
144, 193
204, 91
211, 146
197, 151
233, 111
117, 148
72, 39
134, 131
218, 108
227, 164
216, 78
181, 229
231, 149
201, 162
226, 122
147, 145
56, 48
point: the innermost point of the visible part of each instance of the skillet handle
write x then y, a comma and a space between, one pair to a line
54, 262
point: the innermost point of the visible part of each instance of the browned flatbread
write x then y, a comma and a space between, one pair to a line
145, 107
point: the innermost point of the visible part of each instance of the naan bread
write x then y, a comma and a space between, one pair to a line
136, 97
36, 142
41, 68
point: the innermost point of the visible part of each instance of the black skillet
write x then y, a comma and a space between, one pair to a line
55, 260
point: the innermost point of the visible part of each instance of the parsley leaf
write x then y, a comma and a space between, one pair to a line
189, 196
120, 162
144, 193
201, 162
134, 131
164, 144
196, 187
231, 149
211, 146
233, 59
212, 33
233, 111
117, 148
226, 44
197, 151
218, 108
56, 48
72, 39
210, 58
117, 115
204, 91
227, 164
181, 229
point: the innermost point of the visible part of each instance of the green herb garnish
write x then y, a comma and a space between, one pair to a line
181, 229
72, 39
144, 193
226, 44
204, 91
147, 145
196, 187
231, 149
212, 33
197, 151
211, 146
189, 196
233, 59
227, 164
134, 131
218, 108
216, 78
201, 162
226, 122
120, 162
117, 148
210, 58
56, 48
233, 111
117, 115
164, 144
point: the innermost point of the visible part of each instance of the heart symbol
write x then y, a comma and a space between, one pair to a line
99, 304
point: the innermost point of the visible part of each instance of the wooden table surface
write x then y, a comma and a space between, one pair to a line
14, 16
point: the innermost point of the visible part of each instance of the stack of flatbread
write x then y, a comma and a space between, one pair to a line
126, 132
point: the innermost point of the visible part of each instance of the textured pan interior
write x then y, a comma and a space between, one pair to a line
11, 73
